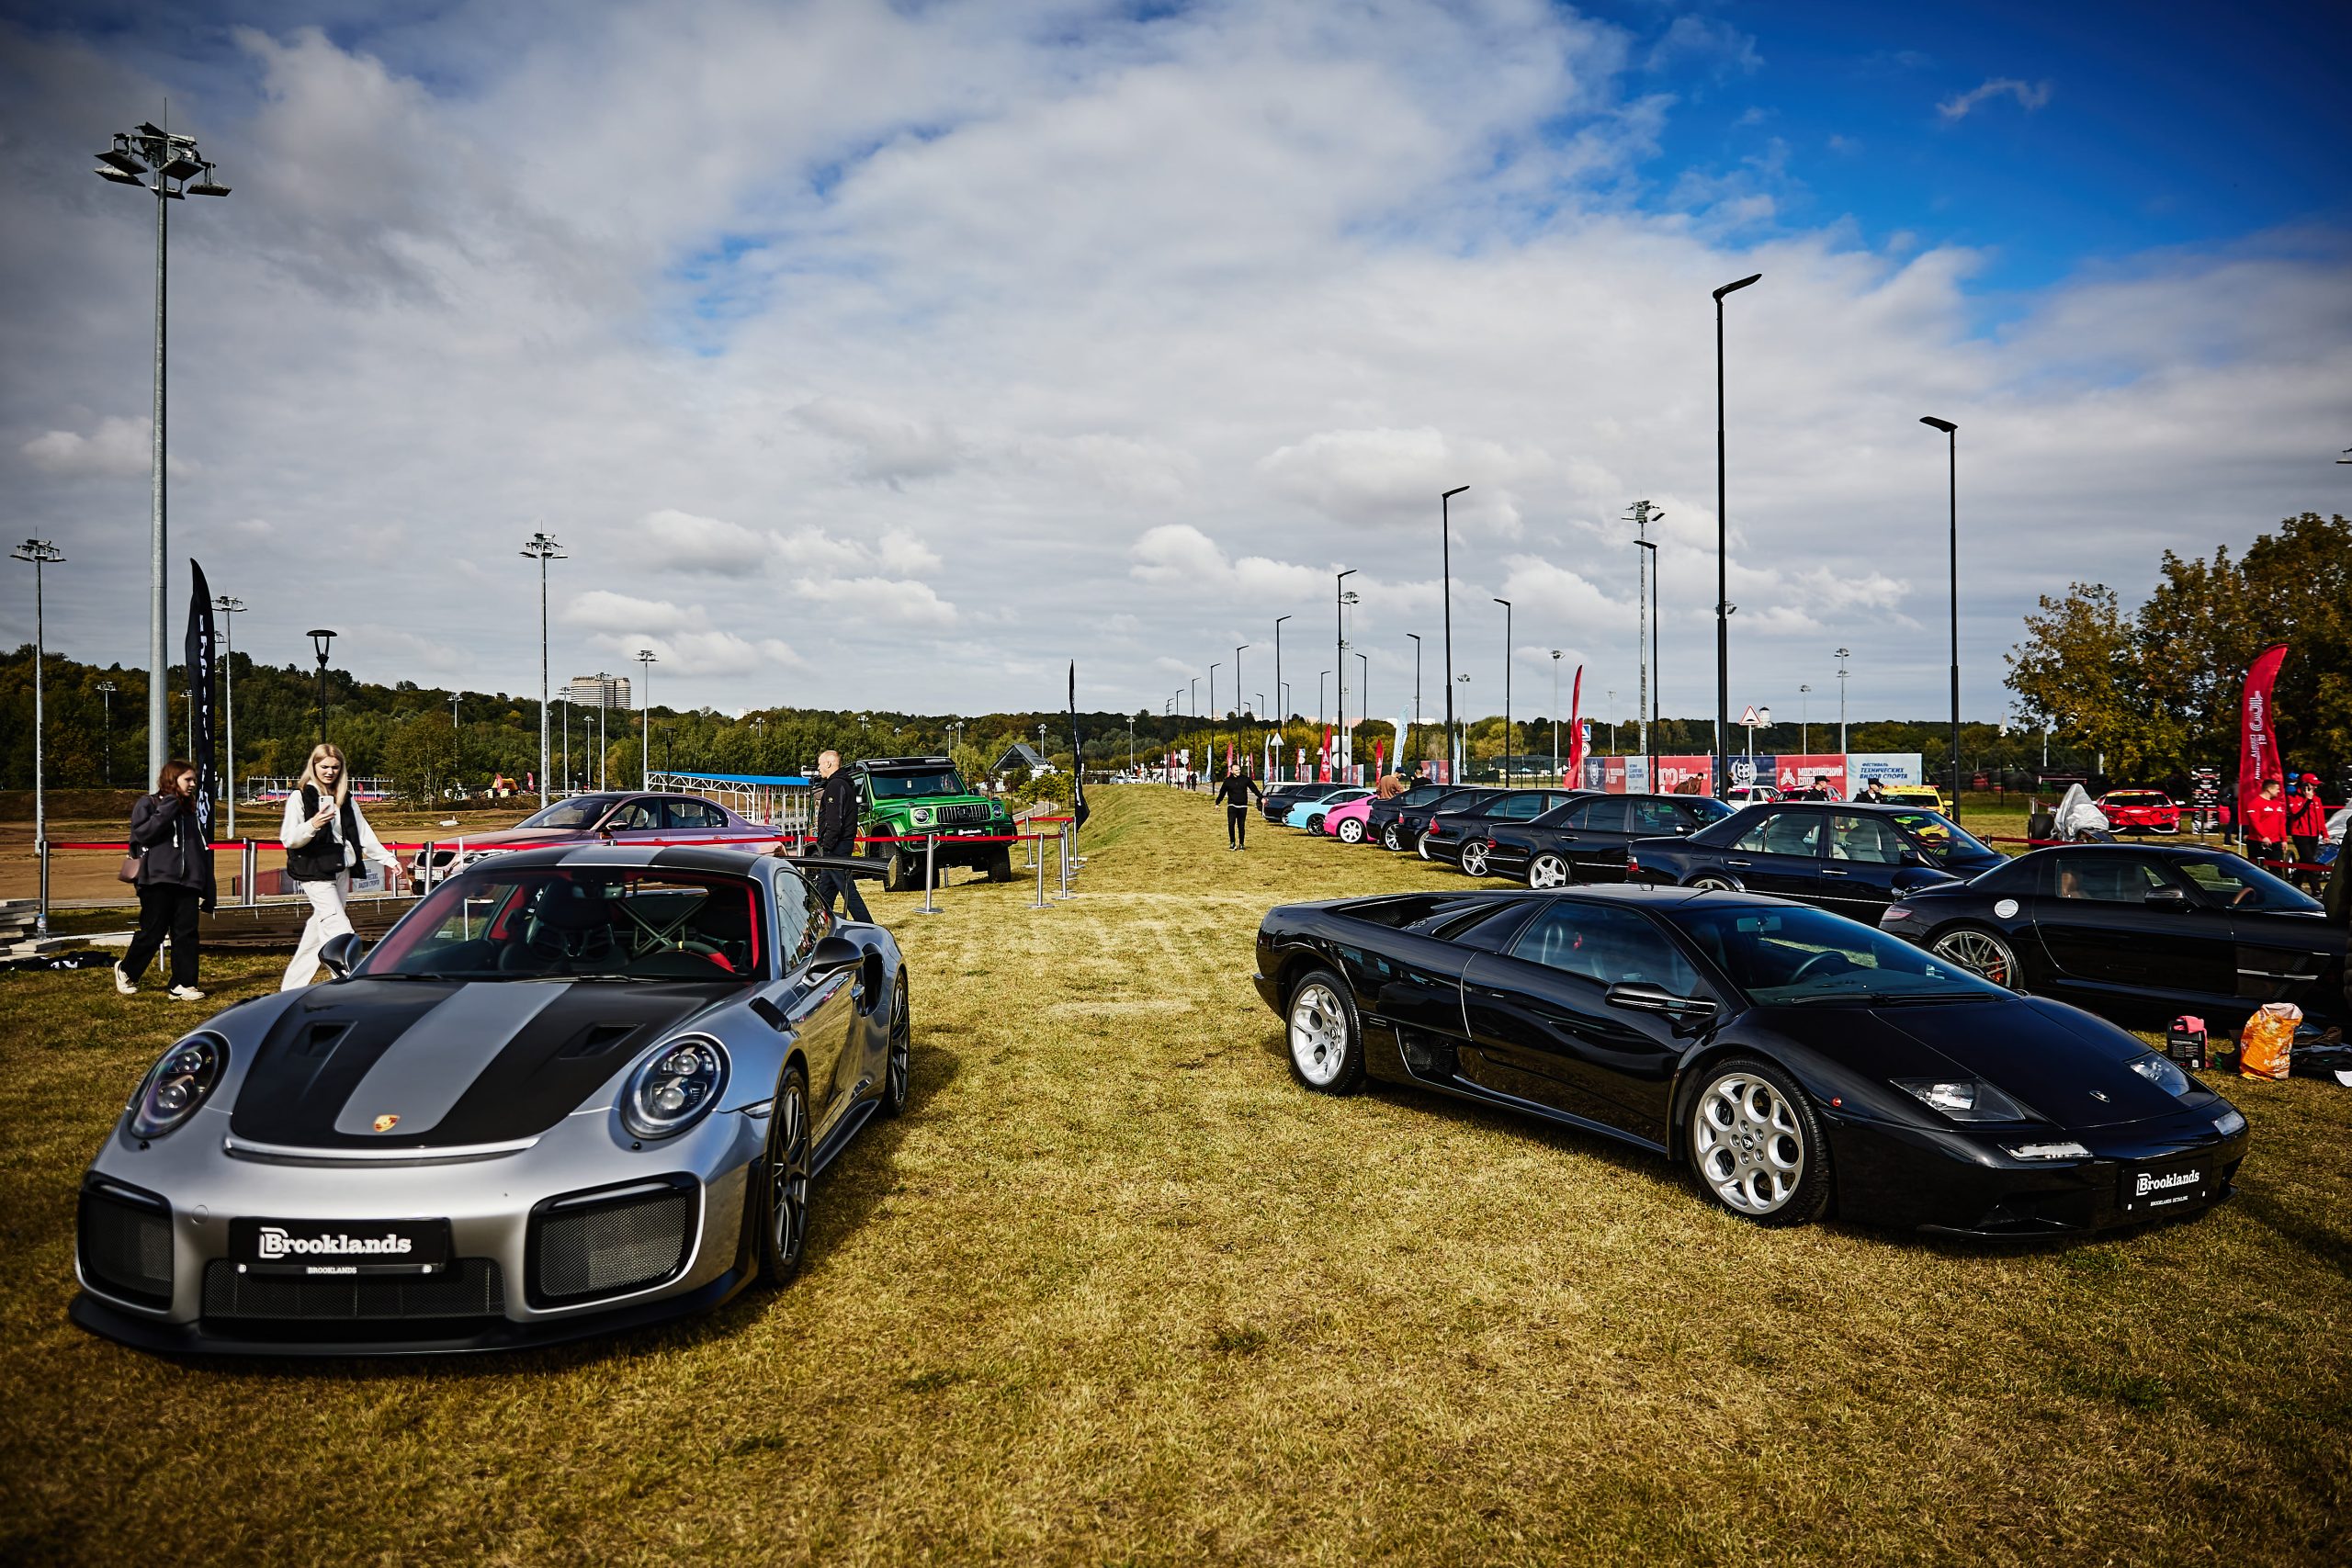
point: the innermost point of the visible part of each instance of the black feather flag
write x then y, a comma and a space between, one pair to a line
1077, 757
201, 656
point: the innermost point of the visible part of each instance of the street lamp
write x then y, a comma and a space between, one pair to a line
165, 165
1416, 678
1951, 447
106, 697
321, 640
645, 708
1555, 718
1280, 701
1340, 652
1445, 566
1843, 655
228, 608
1805, 720
1507, 749
543, 548
1723, 537
1653, 727
1238, 729
40, 553
1363, 692
603, 704
1645, 595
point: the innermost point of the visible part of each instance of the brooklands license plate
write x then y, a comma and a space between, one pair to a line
2166, 1184
340, 1246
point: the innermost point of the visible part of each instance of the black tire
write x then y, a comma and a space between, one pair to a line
1325, 1047
1391, 837
1315, 825
1984, 952
1755, 1147
784, 1180
897, 1061
898, 874
1000, 865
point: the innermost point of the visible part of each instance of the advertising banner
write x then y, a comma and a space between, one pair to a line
1697, 773
1636, 776
1794, 772
1743, 769
2257, 741
1612, 774
1886, 767
1594, 775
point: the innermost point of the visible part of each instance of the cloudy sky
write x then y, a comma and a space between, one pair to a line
893, 354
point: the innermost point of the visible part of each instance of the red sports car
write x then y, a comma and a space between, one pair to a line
2140, 811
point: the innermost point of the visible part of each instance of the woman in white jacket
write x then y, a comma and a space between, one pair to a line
325, 837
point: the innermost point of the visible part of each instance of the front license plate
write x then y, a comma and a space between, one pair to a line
340, 1246
2166, 1184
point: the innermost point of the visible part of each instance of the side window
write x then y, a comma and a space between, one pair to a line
636, 817
2105, 879
796, 931
1606, 815
692, 813
1866, 840
1783, 833
1605, 946
1657, 817
1519, 808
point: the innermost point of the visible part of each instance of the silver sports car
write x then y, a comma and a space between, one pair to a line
572, 1091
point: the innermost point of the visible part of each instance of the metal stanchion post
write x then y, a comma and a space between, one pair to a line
1038, 854
424, 874
41, 919
1062, 840
929, 843
248, 861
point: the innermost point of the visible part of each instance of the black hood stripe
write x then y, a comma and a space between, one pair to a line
436, 1059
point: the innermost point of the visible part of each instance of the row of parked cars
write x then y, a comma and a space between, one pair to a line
2139, 932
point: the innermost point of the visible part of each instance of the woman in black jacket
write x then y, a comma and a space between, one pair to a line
175, 881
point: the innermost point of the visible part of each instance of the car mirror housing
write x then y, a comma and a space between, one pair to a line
2166, 898
832, 954
1913, 856
340, 954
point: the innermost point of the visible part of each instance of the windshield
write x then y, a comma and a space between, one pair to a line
2137, 797
1804, 957
580, 811
2240, 885
900, 786
591, 922
1940, 836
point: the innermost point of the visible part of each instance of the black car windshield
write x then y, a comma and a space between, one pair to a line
1941, 837
900, 786
578, 922
580, 811
1801, 957
2234, 884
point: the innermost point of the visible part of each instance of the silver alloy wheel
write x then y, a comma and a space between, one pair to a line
1713, 885
1351, 831
1318, 1035
1747, 1144
788, 1176
1981, 953
1547, 870
1421, 844
1474, 858
1391, 839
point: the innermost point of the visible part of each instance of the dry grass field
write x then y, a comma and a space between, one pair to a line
1116, 1292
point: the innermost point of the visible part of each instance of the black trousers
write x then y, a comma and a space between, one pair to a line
1236, 824
2306, 847
840, 884
166, 909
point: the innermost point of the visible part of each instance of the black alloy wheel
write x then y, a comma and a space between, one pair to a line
1756, 1145
784, 1188
898, 1068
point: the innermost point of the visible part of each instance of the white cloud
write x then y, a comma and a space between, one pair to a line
893, 601
117, 447
679, 541
1718, 45
2030, 96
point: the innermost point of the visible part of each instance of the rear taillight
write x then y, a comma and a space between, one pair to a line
1633, 866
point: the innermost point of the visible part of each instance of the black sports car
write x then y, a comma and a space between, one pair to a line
1587, 839
2135, 933
1451, 826
1796, 1060
1848, 857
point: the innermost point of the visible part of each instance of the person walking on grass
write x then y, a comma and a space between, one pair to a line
325, 839
175, 881
836, 835
1235, 792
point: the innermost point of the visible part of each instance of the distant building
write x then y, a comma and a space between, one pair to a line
581, 691
1022, 755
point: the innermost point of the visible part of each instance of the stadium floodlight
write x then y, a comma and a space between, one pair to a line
1722, 537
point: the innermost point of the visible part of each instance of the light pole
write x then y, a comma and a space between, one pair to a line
1805, 720
1645, 595
604, 702
1416, 678
1322, 697
543, 548
1654, 724
40, 553
645, 708
1951, 447
321, 639
106, 697
1613, 714
1722, 537
1505, 604
165, 165
1363, 692
1843, 655
1238, 729
1555, 718
565, 724
1280, 700
228, 609
1339, 655
1445, 566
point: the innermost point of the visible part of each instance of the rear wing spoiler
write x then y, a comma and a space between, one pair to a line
852, 865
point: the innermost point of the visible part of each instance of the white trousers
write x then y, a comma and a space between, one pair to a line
327, 919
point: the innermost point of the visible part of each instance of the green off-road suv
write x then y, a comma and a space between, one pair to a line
911, 797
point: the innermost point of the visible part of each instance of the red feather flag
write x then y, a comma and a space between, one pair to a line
1576, 729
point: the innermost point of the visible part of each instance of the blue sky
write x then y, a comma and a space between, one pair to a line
893, 355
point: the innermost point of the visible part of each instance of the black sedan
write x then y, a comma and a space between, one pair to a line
1847, 857
2135, 933
1398, 824
1587, 839
1453, 826
1795, 1061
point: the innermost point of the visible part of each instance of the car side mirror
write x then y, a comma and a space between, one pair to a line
833, 954
1913, 855
2166, 898
1640, 996
341, 953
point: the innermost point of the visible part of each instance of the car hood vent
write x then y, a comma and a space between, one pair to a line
597, 1039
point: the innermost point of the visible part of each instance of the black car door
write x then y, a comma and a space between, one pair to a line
1781, 852
1865, 865
2103, 934
2281, 953
1590, 836
1543, 1029
822, 1013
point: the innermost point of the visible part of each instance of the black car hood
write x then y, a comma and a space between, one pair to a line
455, 1062
2064, 1063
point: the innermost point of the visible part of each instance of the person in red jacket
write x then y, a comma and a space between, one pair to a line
2306, 819
2266, 822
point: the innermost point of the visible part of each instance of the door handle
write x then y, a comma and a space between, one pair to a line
1833, 871
1741, 864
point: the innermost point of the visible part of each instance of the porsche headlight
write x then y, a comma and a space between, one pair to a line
177, 1085
1964, 1100
675, 1087
2162, 1072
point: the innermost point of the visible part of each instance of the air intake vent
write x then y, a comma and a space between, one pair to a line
126, 1244
469, 1288
319, 1038
609, 1243
599, 1039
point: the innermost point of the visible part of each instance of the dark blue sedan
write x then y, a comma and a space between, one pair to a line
1844, 856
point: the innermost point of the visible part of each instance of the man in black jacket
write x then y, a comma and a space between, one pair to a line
1235, 791
836, 833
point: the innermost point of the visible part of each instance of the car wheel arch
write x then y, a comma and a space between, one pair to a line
1691, 1075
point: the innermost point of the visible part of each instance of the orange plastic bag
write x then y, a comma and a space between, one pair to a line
2267, 1039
